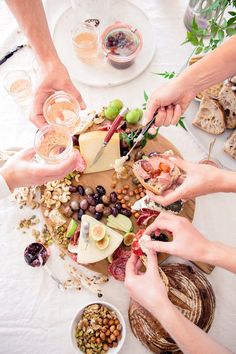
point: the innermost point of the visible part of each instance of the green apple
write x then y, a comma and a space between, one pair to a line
111, 112
133, 116
116, 104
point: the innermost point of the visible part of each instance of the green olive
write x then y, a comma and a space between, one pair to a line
111, 112
133, 116
118, 104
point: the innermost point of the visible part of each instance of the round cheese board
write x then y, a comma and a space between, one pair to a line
124, 187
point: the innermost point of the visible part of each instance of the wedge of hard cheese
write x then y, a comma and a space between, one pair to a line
92, 253
91, 142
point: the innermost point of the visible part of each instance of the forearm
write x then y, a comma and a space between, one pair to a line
221, 255
212, 69
189, 338
31, 18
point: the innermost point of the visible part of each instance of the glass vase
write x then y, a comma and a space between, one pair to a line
203, 12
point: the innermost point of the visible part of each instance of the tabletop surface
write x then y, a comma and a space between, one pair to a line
35, 316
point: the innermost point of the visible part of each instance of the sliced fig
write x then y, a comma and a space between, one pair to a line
98, 231
102, 244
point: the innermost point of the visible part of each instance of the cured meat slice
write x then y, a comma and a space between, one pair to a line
117, 268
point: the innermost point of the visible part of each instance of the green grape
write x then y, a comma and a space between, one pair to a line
133, 116
116, 104
111, 112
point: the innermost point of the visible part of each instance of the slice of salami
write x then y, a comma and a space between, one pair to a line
117, 268
121, 252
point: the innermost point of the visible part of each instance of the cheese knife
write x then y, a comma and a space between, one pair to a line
109, 135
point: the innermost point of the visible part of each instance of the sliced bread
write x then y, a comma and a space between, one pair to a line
230, 145
210, 117
227, 99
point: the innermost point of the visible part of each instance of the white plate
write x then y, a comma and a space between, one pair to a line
204, 138
101, 73
78, 317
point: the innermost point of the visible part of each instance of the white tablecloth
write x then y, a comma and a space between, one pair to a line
34, 315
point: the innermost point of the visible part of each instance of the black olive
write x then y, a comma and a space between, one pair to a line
118, 206
101, 190
126, 212
91, 200
72, 189
81, 212
113, 197
97, 200
114, 211
80, 189
98, 215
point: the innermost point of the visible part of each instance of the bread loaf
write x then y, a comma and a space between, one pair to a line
210, 117
227, 99
230, 145
190, 292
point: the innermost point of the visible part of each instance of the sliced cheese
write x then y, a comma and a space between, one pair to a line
91, 142
91, 253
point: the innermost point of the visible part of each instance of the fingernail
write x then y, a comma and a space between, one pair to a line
83, 105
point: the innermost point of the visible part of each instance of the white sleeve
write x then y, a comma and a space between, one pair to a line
4, 189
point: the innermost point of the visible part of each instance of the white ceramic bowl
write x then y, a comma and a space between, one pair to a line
78, 317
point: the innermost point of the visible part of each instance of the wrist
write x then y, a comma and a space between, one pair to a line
8, 177
185, 82
50, 64
227, 181
157, 308
163, 312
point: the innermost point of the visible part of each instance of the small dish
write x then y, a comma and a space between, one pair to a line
121, 44
78, 316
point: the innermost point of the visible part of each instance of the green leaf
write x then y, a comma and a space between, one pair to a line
181, 123
198, 50
192, 37
221, 35
231, 31
152, 136
145, 96
231, 21
232, 13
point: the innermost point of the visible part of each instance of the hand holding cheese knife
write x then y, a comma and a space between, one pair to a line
113, 129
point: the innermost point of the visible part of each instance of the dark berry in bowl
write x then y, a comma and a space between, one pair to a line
118, 206
36, 254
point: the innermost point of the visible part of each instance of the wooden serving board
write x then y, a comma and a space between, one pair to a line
159, 144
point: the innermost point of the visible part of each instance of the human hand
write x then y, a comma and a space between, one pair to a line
187, 242
171, 100
55, 78
135, 281
21, 170
200, 180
